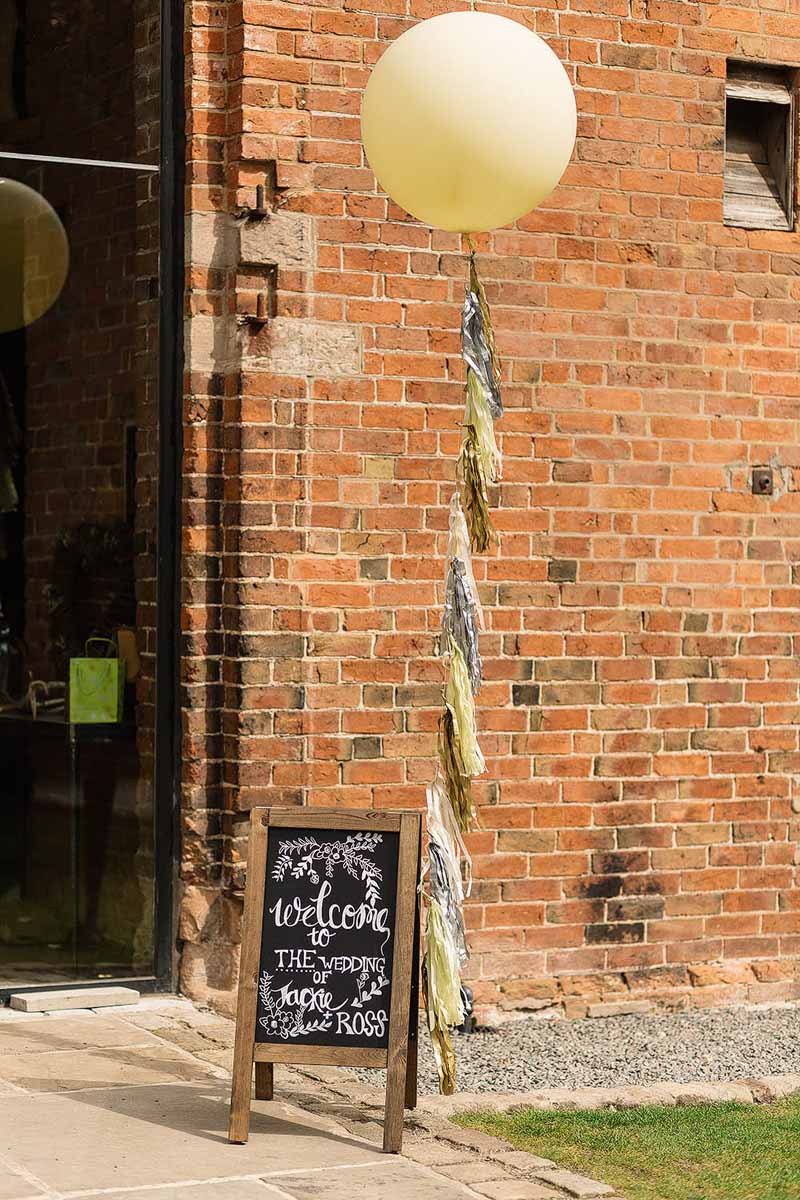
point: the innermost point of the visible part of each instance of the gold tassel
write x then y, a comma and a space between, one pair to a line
458, 696
442, 993
475, 499
488, 331
445, 1056
458, 785
480, 418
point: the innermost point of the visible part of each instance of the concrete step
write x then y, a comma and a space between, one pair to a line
63, 998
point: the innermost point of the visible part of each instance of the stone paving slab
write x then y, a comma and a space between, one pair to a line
69, 1031
73, 1070
395, 1179
142, 1136
576, 1185
472, 1157
15, 1187
515, 1189
224, 1189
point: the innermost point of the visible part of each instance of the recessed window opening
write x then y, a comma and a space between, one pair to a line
759, 147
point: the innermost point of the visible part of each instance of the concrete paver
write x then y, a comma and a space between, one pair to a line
62, 998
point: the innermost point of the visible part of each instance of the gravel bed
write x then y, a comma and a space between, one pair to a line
689, 1047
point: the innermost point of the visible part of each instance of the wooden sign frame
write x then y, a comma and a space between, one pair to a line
400, 1057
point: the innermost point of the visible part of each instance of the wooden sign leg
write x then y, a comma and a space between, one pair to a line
397, 1058
413, 1015
239, 1124
264, 1079
411, 1074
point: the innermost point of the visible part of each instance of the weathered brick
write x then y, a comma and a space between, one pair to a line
615, 932
525, 693
367, 747
562, 570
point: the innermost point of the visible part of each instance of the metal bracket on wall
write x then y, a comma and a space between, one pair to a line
262, 313
266, 193
762, 482
259, 212
261, 279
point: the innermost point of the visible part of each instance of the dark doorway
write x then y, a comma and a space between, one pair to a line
88, 383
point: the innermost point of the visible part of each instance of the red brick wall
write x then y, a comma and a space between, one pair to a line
638, 821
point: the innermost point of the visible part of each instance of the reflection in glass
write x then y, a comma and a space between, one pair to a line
34, 255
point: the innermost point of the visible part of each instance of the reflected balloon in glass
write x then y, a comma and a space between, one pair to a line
34, 255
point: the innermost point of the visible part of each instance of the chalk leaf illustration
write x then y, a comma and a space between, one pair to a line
305, 857
366, 988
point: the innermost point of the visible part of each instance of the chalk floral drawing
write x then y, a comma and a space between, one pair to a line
312, 856
281, 1021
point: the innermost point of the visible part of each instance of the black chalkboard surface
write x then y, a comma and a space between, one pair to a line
327, 938
330, 952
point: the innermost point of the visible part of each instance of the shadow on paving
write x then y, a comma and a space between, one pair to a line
156, 1135
206, 1115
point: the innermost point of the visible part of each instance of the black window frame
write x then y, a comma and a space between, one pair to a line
170, 458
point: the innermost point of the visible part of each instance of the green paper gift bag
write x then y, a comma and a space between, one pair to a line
96, 687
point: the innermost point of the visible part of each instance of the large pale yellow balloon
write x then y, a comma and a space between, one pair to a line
468, 121
34, 255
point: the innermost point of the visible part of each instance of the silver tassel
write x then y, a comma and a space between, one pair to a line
441, 891
475, 351
458, 622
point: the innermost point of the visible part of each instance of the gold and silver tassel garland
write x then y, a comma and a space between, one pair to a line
450, 806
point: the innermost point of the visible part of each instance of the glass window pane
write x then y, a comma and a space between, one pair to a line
80, 79
78, 461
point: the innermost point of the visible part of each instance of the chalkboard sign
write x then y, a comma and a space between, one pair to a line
327, 938
329, 952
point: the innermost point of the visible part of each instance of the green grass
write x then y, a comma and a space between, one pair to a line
700, 1152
